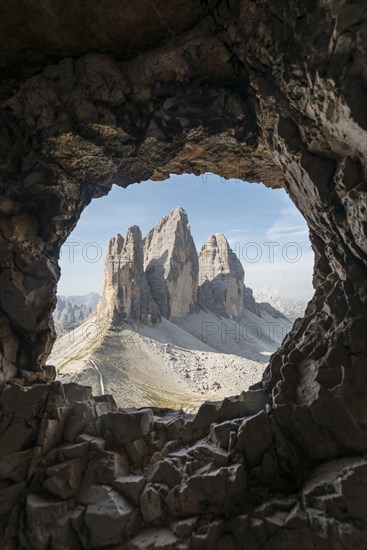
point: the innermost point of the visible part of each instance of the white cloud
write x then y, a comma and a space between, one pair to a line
290, 279
289, 225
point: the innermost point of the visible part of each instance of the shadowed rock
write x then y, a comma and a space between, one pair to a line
263, 91
171, 265
220, 277
126, 294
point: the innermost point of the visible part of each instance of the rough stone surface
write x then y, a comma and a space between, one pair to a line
193, 493
130, 487
221, 277
154, 538
254, 438
249, 301
124, 427
99, 93
126, 294
171, 265
110, 519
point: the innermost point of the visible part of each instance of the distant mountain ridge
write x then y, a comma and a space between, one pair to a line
290, 307
72, 311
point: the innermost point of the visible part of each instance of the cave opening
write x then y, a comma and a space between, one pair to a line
126, 92
228, 305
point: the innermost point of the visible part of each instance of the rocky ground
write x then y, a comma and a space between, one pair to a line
168, 363
78, 472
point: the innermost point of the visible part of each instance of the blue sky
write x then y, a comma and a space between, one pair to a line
262, 226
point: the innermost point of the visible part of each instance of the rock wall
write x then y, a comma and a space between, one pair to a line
171, 265
249, 301
126, 293
220, 277
94, 476
271, 92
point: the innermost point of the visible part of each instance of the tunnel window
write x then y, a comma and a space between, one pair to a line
178, 291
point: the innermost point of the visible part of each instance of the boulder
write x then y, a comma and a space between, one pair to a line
48, 522
15, 467
150, 504
247, 403
10, 496
75, 392
66, 451
23, 402
218, 492
220, 433
51, 431
171, 424
152, 539
106, 466
74, 426
17, 437
64, 479
254, 438
137, 451
95, 443
109, 519
130, 486
166, 472
124, 427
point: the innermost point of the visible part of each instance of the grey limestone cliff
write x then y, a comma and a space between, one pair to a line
220, 278
126, 294
171, 265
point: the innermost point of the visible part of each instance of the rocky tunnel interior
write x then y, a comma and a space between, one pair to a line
109, 93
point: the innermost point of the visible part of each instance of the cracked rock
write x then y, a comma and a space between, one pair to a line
110, 519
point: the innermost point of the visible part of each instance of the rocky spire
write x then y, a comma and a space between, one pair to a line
126, 293
160, 274
220, 277
171, 265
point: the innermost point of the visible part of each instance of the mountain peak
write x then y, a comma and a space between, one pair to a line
179, 210
126, 293
171, 264
177, 215
115, 245
218, 239
221, 277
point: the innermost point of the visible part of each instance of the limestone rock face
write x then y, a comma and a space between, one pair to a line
221, 277
126, 294
249, 301
171, 265
248, 90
